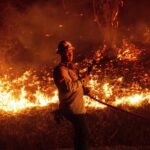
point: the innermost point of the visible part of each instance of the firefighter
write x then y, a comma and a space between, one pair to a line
70, 89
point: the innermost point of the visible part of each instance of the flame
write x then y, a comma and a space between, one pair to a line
133, 96
89, 103
135, 100
107, 90
128, 51
14, 95
28, 91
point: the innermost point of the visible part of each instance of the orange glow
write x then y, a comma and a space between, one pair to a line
128, 51
27, 91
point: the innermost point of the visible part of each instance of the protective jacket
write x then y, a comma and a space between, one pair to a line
70, 89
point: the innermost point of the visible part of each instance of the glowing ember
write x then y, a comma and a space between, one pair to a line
128, 51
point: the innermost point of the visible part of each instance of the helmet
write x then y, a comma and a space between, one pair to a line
63, 46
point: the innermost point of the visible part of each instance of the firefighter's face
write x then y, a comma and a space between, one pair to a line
67, 55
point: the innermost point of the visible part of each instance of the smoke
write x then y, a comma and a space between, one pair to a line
30, 35
134, 19
31, 30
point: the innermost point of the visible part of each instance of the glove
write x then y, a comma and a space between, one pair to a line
86, 90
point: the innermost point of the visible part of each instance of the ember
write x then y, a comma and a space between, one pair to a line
128, 51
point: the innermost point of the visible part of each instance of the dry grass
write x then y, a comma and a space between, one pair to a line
35, 129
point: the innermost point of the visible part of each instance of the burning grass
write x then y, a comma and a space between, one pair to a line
36, 89
28, 100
